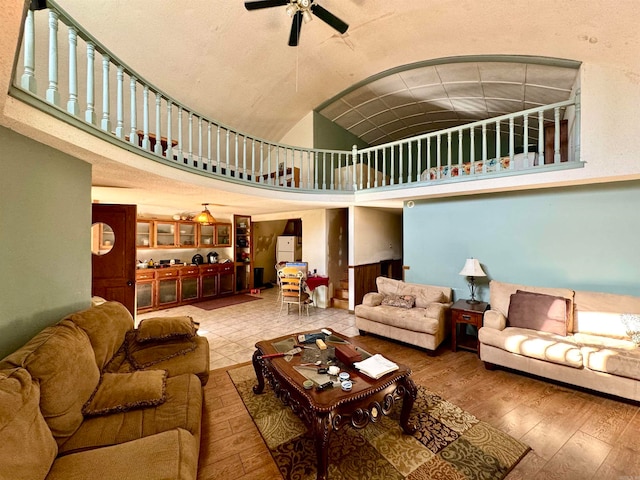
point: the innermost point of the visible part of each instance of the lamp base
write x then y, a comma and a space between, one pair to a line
473, 301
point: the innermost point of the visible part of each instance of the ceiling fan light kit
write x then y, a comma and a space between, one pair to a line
300, 11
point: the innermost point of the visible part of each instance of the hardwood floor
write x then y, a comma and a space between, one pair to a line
573, 434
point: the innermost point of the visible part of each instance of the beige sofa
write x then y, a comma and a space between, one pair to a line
423, 320
595, 352
92, 397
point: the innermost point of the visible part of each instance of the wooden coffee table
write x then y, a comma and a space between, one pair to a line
331, 409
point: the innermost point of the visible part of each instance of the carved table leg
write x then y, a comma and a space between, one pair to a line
257, 366
321, 432
410, 395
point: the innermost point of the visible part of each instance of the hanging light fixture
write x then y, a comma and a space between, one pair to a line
205, 217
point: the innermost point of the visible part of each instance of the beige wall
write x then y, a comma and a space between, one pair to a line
376, 235
338, 244
45, 240
265, 235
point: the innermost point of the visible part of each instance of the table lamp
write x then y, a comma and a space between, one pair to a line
471, 270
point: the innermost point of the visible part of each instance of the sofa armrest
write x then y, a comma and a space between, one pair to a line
436, 310
494, 319
372, 299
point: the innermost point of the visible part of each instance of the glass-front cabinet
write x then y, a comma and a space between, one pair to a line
207, 234
243, 253
165, 234
144, 236
223, 234
187, 235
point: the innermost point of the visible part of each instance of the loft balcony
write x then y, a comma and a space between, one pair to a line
63, 70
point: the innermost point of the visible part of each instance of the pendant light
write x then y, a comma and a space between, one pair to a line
205, 217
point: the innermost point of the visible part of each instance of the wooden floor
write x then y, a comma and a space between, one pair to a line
573, 434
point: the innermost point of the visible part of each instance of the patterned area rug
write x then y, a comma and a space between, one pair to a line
450, 444
225, 301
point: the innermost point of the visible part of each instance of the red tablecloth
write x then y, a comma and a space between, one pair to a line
316, 281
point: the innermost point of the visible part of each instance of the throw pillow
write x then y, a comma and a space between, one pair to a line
165, 328
402, 301
632, 322
119, 392
537, 311
145, 355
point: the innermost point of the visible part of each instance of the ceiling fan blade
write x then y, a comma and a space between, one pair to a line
256, 5
296, 25
329, 18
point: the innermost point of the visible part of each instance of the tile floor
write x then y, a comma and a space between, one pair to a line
233, 331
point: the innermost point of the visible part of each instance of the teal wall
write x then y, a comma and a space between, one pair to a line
584, 238
45, 243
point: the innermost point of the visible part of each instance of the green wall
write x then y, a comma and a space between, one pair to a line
584, 238
45, 219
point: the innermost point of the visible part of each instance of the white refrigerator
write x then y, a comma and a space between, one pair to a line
288, 249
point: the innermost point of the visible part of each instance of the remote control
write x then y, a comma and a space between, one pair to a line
324, 386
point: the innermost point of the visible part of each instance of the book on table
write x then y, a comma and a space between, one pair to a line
376, 366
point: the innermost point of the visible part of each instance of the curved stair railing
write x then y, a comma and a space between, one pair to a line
105, 95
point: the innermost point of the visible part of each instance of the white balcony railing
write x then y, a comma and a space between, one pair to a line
84, 81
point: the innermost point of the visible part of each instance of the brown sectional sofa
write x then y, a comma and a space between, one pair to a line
92, 397
424, 324
596, 351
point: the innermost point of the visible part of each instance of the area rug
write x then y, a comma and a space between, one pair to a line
226, 301
450, 444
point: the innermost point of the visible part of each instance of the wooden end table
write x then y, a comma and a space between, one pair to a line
331, 409
466, 314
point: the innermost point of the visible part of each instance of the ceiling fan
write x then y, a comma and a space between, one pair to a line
300, 10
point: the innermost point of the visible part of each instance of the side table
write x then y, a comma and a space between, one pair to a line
463, 314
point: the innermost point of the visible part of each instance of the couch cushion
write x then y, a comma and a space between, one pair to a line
538, 311
195, 361
621, 362
119, 392
534, 344
182, 409
165, 328
28, 448
61, 359
500, 296
414, 319
106, 325
600, 313
400, 301
424, 294
172, 454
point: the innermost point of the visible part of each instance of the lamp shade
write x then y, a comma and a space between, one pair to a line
205, 217
472, 268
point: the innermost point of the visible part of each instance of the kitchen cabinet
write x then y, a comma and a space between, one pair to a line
144, 234
218, 235
165, 234
243, 253
189, 284
158, 288
223, 234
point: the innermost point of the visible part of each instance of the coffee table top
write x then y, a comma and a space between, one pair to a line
363, 386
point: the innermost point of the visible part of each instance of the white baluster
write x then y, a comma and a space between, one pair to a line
512, 134
460, 152
556, 136
498, 150
218, 148
393, 167
133, 133
72, 103
227, 153
472, 149
190, 143
333, 171
90, 114
438, 155
169, 151
106, 122
428, 166
576, 128
209, 151
28, 80
484, 148
449, 153
540, 137
200, 141
180, 150
53, 96
236, 153
525, 140
244, 157
120, 103
157, 148
145, 117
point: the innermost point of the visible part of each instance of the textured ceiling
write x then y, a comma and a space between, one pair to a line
426, 98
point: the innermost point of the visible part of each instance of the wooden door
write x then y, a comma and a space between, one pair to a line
113, 265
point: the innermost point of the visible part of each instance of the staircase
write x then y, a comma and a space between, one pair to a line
341, 296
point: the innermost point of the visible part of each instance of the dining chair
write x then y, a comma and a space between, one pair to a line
292, 290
